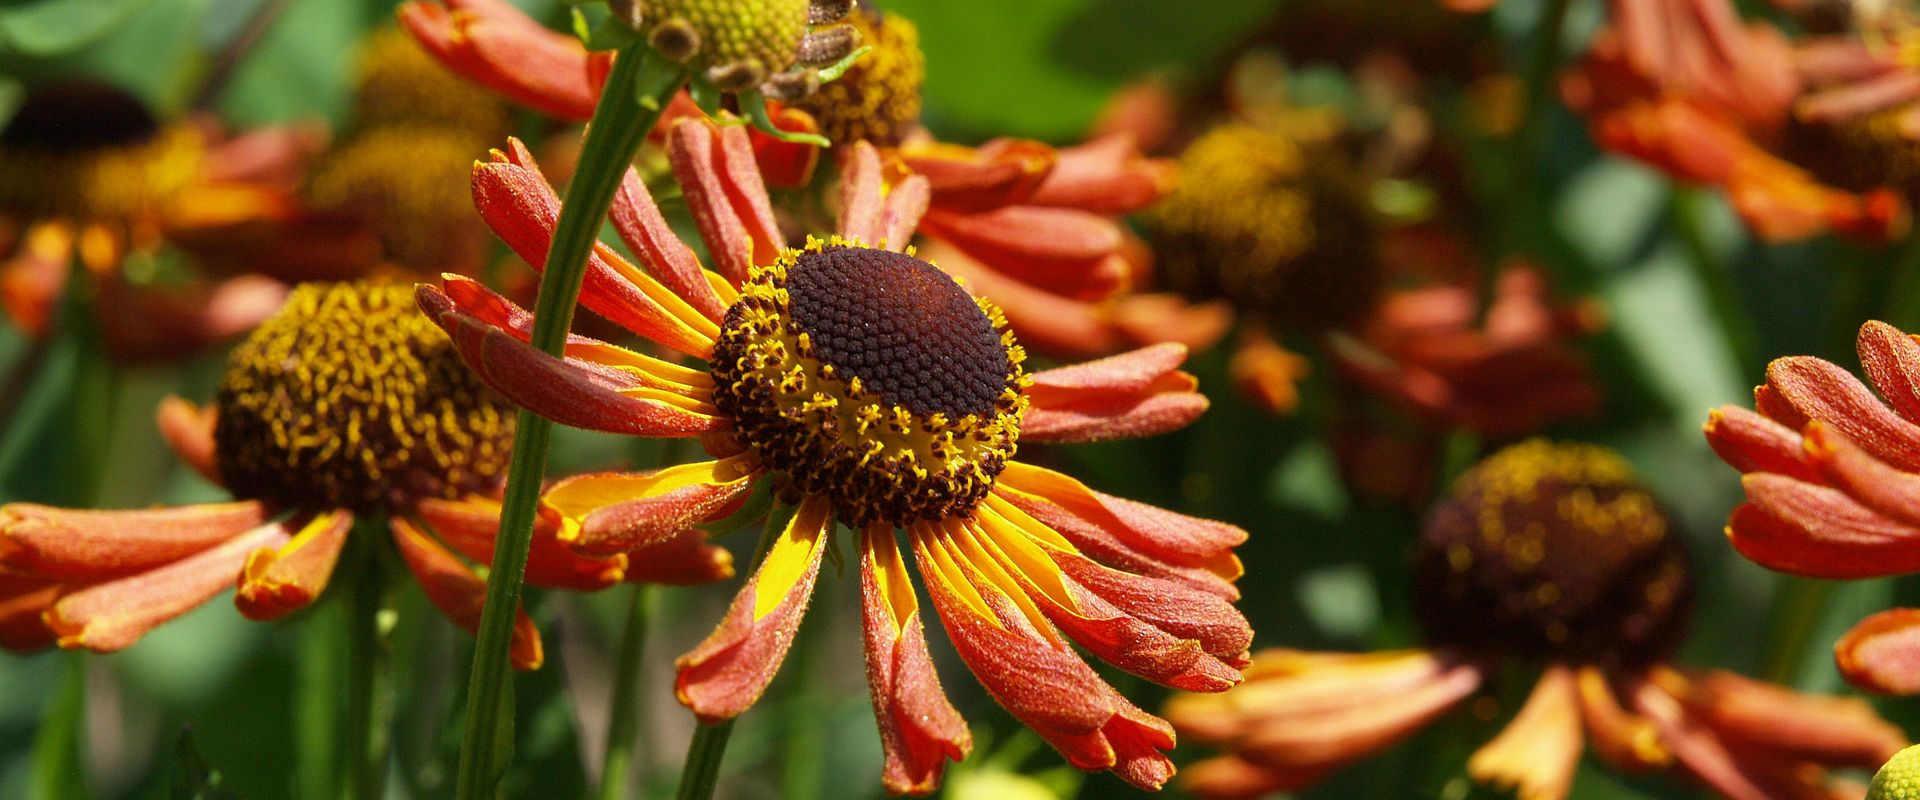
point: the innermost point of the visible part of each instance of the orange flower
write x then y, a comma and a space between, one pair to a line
1693, 91
866, 387
124, 184
1516, 373
308, 435
1551, 554
1829, 471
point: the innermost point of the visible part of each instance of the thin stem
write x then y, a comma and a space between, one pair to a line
1523, 155
638, 89
1799, 605
701, 771
369, 701
227, 62
623, 726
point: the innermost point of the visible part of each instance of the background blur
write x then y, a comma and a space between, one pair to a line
1326, 569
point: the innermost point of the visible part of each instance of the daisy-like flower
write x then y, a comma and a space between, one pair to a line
1548, 554
1692, 90
869, 389
88, 175
1830, 471
348, 403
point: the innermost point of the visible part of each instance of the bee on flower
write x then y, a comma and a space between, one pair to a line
868, 390
1552, 555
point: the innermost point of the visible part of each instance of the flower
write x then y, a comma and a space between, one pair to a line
867, 387
1511, 375
1697, 94
1542, 553
346, 404
1830, 471
87, 173
877, 99
1896, 780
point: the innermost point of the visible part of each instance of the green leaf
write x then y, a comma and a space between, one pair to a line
44, 28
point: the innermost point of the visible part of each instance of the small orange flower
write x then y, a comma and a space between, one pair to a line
867, 387
347, 403
1830, 472
1552, 554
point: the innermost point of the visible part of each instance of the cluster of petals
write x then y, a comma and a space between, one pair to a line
1832, 473
100, 580
1689, 88
1301, 716
1043, 561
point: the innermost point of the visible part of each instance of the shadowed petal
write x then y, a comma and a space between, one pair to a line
725, 194
1235, 778
1627, 741
188, 429
458, 591
110, 616
919, 729
684, 560
1105, 176
1882, 652
277, 581
22, 601
611, 512
68, 543
862, 195
1787, 724
471, 526
725, 674
1536, 754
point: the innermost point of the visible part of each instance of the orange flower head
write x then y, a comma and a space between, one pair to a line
872, 378
1859, 153
398, 81
407, 181
349, 397
1555, 551
740, 45
91, 152
1273, 222
877, 99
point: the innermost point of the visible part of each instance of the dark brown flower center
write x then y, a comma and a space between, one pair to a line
78, 116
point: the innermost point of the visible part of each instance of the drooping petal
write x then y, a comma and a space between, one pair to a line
188, 429
1134, 394
1892, 361
965, 179
1536, 754
1622, 738
23, 599
725, 194
564, 391
1882, 652
500, 47
919, 729
1061, 250
645, 230
725, 674
1068, 506
1786, 724
471, 526
114, 614
458, 591
85, 544
610, 512
277, 581
1822, 391
1693, 746
1751, 442
684, 560
1890, 492
1798, 527
1271, 374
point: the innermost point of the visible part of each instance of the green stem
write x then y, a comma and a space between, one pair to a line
1799, 605
702, 768
369, 700
1522, 211
623, 726
638, 89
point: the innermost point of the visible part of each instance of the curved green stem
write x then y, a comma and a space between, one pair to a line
638, 89
623, 725
369, 703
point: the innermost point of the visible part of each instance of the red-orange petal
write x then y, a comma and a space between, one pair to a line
86, 544
1892, 361
472, 525
1165, 535
112, 615
1000, 173
499, 46
638, 221
276, 581
862, 195
609, 512
725, 195
1890, 492
458, 591
726, 674
1107, 176
919, 729
188, 429
23, 599
1817, 531
684, 560
1823, 391
1751, 442
1061, 250
1231, 777
1882, 652
1140, 393
1787, 724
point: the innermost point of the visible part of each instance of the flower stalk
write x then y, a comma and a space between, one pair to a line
369, 698
636, 92
623, 724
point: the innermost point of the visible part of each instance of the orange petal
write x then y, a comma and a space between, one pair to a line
23, 600
458, 591
1695, 748
1124, 396
1107, 176
31, 280
725, 194
110, 616
725, 674
788, 165
66, 543
1882, 652
862, 195
500, 47
1061, 250
1892, 361
645, 230
277, 581
1750, 442
1890, 492
188, 429
1790, 725
471, 526
1268, 373
1536, 754
1044, 321
609, 512
684, 560
965, 179
1798, 527
1622, 738
1823, 391
919, 729
1069, 507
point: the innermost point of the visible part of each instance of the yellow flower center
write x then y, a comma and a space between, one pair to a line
396, 81
1553, 550
350, 398
1899, 779
876, 100
91, 152
871, 378
751, 38
1271, 222
410, 183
